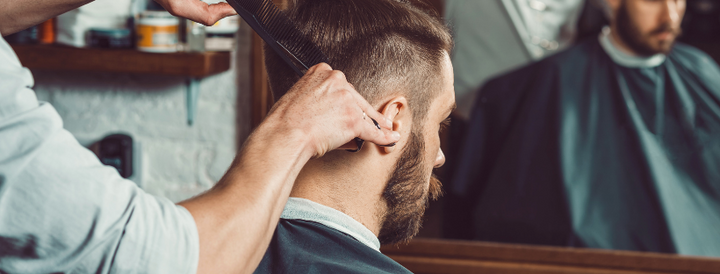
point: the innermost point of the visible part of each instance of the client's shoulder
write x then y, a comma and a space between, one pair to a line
300, 246
568, 61
691, 57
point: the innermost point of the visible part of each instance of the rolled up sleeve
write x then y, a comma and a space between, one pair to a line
61, 210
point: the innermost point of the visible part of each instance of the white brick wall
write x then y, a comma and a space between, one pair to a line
179, 161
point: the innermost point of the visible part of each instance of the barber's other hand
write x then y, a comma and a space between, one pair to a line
328, 111
197, 10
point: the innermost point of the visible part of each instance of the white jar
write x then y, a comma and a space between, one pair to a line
157, 31
228, 25
221, 35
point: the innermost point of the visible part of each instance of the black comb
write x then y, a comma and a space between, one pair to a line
284, 38
280, 34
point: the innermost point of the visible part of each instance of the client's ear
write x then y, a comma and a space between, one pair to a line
396, 109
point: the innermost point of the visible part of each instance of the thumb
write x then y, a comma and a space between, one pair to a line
219, 11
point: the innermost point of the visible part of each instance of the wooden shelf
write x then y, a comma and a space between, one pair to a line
56, 57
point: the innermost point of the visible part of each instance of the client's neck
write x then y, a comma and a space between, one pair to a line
619, 43
350, 186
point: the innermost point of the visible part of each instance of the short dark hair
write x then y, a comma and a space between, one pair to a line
380, 45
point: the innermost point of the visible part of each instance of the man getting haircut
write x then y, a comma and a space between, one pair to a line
344, 205
614, 143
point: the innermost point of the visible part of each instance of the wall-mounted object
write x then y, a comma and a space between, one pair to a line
192, 65
117, 151
188, 64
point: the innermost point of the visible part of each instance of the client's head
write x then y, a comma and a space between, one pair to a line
395, 53
647, 27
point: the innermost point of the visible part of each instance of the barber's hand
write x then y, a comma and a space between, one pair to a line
197, 10
329, 111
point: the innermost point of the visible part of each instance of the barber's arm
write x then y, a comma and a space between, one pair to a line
19, 15
236, 219
61, 210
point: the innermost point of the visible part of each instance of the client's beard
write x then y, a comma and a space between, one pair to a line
634, 38
405, 194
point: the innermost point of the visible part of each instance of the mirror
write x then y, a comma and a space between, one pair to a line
587, 203
563, 149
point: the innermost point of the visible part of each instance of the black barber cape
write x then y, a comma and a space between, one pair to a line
307, 247
576, 150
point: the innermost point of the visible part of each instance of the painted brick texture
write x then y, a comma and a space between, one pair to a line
178, 161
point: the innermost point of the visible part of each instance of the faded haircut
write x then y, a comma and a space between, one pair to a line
384, 47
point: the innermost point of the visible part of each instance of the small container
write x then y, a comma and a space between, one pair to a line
46, 32
221, 35
227, 25
157, 31
194, 36
110, 38
219, 42
27, 36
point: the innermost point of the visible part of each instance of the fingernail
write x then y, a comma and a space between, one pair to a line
396, 135
388, 123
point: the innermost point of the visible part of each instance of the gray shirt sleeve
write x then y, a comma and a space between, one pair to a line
61, 210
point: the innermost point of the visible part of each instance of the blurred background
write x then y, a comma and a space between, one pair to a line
172, 96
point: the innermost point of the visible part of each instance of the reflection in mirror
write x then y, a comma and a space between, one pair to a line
584, 124
584, 137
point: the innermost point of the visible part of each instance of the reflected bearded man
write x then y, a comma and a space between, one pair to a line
614, 143
344, 205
